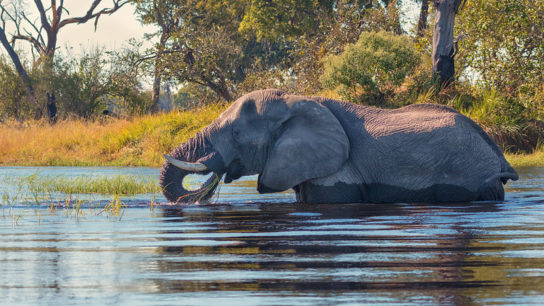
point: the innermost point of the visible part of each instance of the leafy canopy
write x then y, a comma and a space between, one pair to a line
369, 70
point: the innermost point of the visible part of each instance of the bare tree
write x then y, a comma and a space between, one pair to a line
43, 32
443, 43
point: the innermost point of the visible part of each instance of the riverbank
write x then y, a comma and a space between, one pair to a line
138, 141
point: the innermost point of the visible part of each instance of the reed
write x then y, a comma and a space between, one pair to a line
40, 186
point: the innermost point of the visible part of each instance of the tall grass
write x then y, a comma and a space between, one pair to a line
138, 141
534, 159
118, 185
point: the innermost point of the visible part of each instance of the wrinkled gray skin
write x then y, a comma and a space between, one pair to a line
332, 151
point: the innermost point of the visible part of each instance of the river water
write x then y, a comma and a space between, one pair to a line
251, 249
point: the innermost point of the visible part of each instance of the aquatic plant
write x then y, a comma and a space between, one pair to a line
41, 187
114, 207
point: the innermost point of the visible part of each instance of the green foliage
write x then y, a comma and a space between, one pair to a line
370, 70
502, 45
79, 84
83, 86
490, 108
280, 18
12, 92
227, 45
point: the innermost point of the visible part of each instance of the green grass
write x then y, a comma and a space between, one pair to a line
535, 159
40, 191
115, 185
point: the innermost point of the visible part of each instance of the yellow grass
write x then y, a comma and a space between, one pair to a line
138, 141
535, 159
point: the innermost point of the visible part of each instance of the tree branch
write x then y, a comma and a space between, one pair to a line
117, 4
60, 9
38, 31
30, 39
43, 16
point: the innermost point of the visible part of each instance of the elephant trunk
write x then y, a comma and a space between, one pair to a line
196, 149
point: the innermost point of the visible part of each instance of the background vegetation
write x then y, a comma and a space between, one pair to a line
210, 52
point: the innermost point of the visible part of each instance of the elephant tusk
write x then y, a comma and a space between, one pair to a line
191, 167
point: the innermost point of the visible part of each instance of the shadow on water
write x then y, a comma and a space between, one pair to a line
277, 252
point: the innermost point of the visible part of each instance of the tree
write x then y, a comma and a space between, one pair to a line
205, 47
42, 34
371, 70
166, 14
443, 43
323, 28
503, 45
216, 44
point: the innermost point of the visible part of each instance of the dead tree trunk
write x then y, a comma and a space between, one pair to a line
422, 23
443, 45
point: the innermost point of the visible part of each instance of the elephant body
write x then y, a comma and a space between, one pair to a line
333, 151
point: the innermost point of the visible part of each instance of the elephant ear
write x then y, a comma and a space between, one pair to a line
312, 144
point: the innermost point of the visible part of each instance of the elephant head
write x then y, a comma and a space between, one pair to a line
285, 139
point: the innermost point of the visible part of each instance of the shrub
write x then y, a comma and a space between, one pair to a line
371, 70
12, 92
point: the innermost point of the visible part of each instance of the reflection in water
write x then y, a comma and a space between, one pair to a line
277, 252
391, 249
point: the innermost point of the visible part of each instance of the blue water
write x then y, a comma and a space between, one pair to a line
249, 249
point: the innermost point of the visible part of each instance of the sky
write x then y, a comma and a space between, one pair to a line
112, 32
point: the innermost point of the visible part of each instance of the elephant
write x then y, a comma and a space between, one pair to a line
332, 151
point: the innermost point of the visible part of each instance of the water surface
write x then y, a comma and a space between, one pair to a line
268, 250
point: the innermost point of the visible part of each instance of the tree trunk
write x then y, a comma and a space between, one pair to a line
156, 87
422, 23
158, 77
19, 68
443, 45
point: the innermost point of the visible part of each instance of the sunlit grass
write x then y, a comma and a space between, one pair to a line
138, 141
115, 185
141, 141
535, 159
60, 194
121, 184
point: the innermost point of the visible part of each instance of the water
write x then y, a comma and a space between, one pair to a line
251, 249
